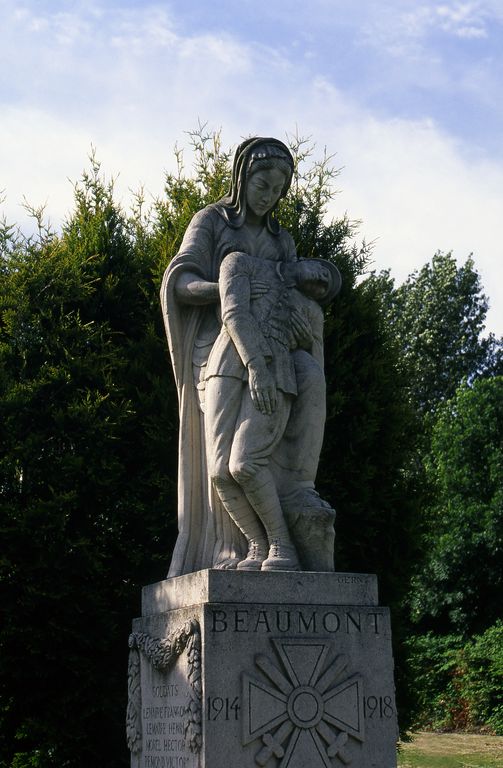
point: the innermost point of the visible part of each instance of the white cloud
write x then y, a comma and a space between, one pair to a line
142, 33
417, 193
398, 28
414, 187
463, 19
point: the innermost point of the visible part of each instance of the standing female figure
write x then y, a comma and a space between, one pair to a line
242, 222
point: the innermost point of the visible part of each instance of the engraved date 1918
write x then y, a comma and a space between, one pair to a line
224, 708
378, 707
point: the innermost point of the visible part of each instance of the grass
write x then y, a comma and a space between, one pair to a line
451, 750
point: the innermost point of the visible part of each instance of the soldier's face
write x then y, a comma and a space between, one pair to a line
313, 279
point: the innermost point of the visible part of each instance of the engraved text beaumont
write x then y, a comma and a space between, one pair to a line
296, 621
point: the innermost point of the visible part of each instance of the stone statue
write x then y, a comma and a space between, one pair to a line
244, 327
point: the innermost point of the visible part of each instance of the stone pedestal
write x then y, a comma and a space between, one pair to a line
234, 669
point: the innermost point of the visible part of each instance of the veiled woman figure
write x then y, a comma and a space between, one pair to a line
244, 222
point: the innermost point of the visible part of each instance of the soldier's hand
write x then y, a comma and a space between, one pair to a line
258, 288
262, 387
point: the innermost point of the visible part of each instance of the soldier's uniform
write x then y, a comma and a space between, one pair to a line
240, 438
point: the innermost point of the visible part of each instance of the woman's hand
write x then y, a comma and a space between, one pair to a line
262, 386
301, 330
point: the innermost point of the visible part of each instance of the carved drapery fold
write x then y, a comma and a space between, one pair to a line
162, 653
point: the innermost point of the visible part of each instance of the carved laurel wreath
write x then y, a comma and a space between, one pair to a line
162, 654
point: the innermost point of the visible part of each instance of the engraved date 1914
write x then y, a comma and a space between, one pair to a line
223, 708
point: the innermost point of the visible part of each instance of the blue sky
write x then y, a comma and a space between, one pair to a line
406, 94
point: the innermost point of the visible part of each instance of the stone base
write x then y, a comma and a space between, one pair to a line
236, 669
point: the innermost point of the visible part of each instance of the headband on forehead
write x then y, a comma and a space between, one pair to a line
269, 152
256, 156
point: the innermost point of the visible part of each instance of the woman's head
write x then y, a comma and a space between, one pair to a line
271, 156
252, 156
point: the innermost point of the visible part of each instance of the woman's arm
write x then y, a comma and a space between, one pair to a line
190, 289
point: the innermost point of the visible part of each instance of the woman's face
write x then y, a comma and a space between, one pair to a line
263, 190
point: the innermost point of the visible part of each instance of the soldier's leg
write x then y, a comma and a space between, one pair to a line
297, 456
255, 438
222, 411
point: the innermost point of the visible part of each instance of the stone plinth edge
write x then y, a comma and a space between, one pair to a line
244, 587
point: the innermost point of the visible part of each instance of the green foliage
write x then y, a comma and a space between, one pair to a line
88, 434
184, 196
33, 759
86, 402
459, 587
458, 684
438, 315
437, 318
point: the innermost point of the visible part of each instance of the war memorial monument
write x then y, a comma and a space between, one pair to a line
254, 652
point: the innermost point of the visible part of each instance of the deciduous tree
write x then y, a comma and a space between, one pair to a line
437, 316
459, 587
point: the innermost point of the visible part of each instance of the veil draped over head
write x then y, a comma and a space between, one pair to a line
254, 153
206, 532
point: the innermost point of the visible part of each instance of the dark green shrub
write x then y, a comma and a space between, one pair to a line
458, 685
